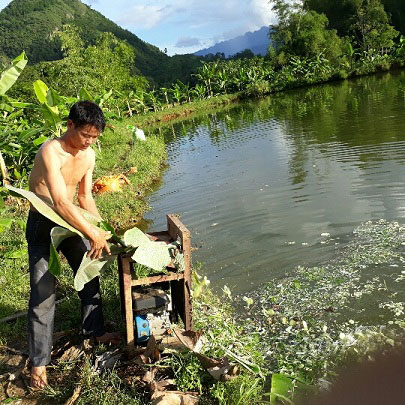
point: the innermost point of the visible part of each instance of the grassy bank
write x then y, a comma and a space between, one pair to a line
180, 112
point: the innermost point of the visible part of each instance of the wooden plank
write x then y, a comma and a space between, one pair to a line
129, 317
121, 284
188, 309
158, 279
176, 230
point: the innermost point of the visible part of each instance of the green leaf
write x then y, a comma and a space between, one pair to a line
10, 75
54, 266
21, 223
58, 235
53, 99
19, 104
85, 95
153, 255
16, 254
51, 116
90, 268
6, 107
2, 203
41, 90
40, 140
281, 388
89, 217
105, 226
135, 237
6, 222
17, 174
43, 208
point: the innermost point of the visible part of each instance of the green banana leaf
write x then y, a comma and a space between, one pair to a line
10, 75
43, 208
58, 235
85, 95
41, 90
53, 99
135, 237
90, 268
89, 217
281, 388
153, 255
49, 211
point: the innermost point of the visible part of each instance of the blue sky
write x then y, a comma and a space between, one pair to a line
184, 26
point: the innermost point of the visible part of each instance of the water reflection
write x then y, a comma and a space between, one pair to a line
259, 182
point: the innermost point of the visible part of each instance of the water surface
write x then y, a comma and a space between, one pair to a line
262, 185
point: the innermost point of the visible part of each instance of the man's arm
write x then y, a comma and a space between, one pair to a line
85, 196
58, 191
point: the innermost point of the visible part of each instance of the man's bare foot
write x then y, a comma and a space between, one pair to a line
39, 379
109, 338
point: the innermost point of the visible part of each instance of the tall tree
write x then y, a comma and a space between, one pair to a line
340, 13
372, 29
107, 64
303, 32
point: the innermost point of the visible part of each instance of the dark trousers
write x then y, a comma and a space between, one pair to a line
41, 310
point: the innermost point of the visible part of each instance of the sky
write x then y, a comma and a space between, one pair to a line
184, 26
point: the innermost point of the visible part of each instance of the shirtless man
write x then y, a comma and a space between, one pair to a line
59, 167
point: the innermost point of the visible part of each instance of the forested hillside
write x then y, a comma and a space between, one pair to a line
30, 25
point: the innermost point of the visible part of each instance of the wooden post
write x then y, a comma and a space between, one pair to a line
176, 229
129, 316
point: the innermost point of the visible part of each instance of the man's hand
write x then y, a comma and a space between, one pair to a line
98, 243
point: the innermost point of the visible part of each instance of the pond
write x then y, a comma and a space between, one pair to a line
268, 185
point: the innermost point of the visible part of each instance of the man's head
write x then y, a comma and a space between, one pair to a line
85, 123
85, 113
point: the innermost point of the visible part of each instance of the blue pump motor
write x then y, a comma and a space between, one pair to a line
142, 329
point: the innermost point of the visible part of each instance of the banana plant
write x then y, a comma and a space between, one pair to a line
49, 101
153, 100
165, 91
10, 75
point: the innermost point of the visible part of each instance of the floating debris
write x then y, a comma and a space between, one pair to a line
309, 320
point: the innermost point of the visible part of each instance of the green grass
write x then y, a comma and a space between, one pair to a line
119, 153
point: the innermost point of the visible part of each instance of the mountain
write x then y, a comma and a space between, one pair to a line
29, 24
257, 42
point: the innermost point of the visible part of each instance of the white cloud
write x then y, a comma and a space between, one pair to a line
193, 14
187, 42
144, 16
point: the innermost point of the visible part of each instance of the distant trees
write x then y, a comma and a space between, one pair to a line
371, 27
304, 32
107, 64
304, 29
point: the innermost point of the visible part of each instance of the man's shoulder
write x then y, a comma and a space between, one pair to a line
49, 146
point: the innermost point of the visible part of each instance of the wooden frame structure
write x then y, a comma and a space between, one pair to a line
180, 283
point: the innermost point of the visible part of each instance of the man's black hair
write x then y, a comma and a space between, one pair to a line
87, 113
